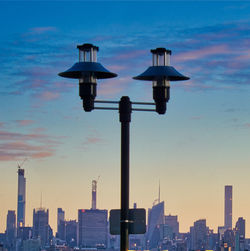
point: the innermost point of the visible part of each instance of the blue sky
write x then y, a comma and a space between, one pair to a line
200, 145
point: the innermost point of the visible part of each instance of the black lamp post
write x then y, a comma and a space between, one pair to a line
87, 70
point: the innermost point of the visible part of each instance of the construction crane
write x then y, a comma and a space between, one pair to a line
94, 191
20, 165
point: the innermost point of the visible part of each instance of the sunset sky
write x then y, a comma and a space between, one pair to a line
200, 145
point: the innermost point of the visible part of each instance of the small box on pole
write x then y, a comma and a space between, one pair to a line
137, 221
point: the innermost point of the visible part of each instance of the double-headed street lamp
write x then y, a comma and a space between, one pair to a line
88, 70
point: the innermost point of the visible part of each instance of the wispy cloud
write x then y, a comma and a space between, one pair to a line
48, 95
93, 138
112, 87
129, 54
196, 118
25, 122
42, 30
197, 54
217, 56
211, 56
15, 146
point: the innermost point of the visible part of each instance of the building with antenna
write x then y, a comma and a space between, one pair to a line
93, 224
155, 220
94, 191
41, 228
21, 197
94, 188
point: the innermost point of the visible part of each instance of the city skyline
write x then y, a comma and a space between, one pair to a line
198, 147
157, 203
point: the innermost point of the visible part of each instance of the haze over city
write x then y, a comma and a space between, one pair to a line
200, 145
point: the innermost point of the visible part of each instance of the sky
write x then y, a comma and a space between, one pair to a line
200, 145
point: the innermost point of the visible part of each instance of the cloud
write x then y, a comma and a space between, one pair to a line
19, 146
203, 52
210, 55
15, 146
42, 30
40, 82
129, 54
117, 68
25, 122
7, 135
112, 87
41, 155
48, 95
92, 140
196, 118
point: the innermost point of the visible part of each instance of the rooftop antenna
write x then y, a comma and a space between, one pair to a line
20, 165
159, 196
94, 191
41, 200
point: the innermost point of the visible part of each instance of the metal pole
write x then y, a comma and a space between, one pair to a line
125, 109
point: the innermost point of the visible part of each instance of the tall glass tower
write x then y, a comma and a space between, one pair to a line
228, 206
21, 198
155, 219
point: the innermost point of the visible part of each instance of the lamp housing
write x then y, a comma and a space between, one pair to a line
87, 70
161, 73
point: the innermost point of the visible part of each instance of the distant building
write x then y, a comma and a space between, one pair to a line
11, 230
93, 228
229, 239
155, 220
25, 233
2, 247
32, 245
60, 224
60, 217
240, 227
41, 227
199, 235
172, 221
166, 232
71, 233
2, 238
21, 198
228, 207
240, 235
61, 231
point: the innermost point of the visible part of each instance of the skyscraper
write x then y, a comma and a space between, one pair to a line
11, 221
60, 222
93, 228
21, 198
199, 235
41, 225
172, 221
240, 227
155, 220
228, 207
71, 233
11, 229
